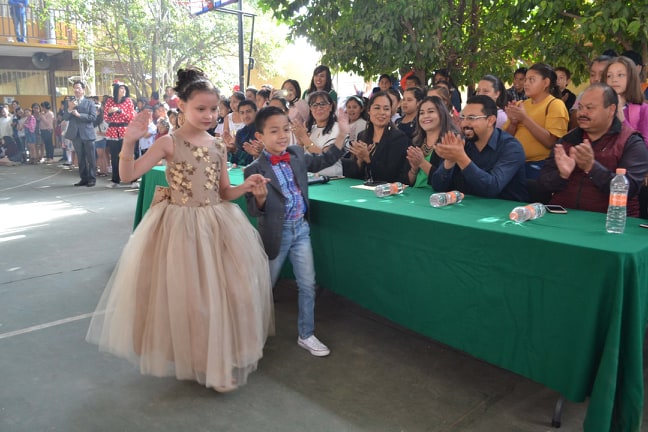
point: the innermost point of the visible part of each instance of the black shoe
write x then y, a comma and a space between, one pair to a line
90, 184
81, 183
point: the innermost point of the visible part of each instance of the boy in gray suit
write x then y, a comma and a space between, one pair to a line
282, 209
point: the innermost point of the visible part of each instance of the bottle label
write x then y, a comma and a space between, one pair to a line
393, 188
532, 211
451, 197
618, 199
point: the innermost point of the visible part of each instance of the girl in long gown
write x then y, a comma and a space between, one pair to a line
190, 296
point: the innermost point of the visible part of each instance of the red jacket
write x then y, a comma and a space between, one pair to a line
118, 121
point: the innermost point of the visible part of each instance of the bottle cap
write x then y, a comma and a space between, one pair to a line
513, 216
621, 171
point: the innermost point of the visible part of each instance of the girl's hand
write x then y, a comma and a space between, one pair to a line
138, 127
256, 184
343, 121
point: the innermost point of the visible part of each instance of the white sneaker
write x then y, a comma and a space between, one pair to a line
112, 185
134, 185
314, 346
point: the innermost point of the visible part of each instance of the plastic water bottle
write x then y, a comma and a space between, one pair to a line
527, 212
388, 189
446, 198
616, 214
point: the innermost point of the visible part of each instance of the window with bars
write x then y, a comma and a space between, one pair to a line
26, 82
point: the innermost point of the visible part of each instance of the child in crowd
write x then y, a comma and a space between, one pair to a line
247, 110
68, 146
29, 132
191, 294
20, 119
149, 137
283, 209
163, 128
9, 152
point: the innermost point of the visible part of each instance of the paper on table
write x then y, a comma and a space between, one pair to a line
361, 186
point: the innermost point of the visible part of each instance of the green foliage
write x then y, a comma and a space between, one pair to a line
148, 41
470, 37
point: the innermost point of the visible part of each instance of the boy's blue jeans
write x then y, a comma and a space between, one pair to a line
296, 245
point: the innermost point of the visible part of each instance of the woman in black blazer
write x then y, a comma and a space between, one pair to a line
380, 153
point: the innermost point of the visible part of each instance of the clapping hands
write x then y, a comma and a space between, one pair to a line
360, 150
253, 147
343, 121
415, 157
515, 112
581, 155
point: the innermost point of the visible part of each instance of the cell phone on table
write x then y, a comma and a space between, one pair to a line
374, 183
555, 208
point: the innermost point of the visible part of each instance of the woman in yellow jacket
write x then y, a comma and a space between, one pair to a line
540, 120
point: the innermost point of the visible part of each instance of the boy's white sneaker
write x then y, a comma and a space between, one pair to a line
314, 346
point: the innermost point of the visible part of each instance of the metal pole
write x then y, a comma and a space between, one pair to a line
241, 48
250, 56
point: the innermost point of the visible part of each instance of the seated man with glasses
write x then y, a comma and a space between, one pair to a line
489, 163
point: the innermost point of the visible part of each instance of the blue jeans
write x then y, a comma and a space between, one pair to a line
296, 245
20, 24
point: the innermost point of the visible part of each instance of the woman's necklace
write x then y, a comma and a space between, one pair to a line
427, 149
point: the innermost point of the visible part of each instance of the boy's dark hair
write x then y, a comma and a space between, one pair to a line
265, 93
565, 70
264, 114
415, 79
247, 102
520, 70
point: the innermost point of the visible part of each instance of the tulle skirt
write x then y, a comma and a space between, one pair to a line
190, 297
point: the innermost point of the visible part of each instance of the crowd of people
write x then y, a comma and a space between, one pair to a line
497, 144
399, 131
30, 135
197, 313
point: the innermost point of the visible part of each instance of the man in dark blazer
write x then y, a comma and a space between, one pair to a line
81, 113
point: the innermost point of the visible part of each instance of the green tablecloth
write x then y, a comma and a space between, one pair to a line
557, 300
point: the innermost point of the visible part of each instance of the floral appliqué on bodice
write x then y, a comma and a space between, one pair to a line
194, 174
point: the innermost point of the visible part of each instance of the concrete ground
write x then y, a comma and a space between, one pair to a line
58, 246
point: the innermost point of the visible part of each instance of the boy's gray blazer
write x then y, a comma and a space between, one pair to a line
271, 217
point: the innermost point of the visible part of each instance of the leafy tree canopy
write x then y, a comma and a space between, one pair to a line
148, 40
470, 37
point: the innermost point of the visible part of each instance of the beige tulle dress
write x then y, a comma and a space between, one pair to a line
190, 296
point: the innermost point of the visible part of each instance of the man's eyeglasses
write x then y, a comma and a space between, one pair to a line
319, 104
471, 117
